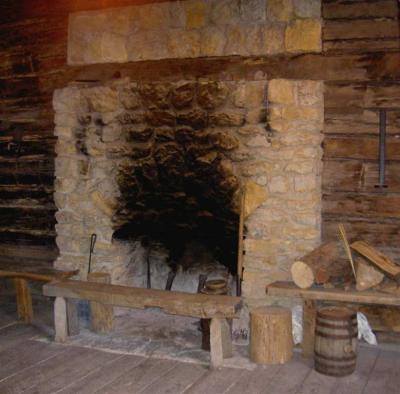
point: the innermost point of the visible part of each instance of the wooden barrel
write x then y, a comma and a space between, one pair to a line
336, 341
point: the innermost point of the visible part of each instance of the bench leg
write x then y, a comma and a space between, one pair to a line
72, 317
220, 341
309, 316
24, 300
60, 319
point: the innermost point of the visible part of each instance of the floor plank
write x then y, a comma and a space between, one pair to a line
177, 380
103, 375
385, 376
41, 371
73, 368
355, 383
290, 377
217, 381
256, 381
15, 333
139, 377
24, 355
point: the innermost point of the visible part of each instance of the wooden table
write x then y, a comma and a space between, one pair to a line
312, 295
21, 275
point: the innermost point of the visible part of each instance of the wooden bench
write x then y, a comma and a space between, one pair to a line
215, 307
21, 275
311, 297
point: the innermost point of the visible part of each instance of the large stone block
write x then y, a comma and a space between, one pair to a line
281, 91
252, 10
196, 13
307, 8
102, 99
303, 35
273, 39
154, 16
147, 44
279, 10
224, 12
113, 47
213, 42
183, 43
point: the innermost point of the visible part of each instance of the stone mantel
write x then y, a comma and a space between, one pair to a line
194, 28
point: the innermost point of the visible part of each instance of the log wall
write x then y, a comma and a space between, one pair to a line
360, 64
352, 125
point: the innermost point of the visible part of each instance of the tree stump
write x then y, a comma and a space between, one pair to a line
271, 340
101, 315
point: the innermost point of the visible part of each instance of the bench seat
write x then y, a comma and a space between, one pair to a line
218, 308
24, 273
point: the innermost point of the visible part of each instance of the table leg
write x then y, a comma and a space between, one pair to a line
220, 341
309, 317
24, 300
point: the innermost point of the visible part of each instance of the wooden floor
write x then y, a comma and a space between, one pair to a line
29, 363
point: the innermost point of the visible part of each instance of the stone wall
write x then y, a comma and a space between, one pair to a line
268, 138
193, 28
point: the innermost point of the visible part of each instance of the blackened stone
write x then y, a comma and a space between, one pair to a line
141, 150
131, 117
211, 95
224, 141
155, 95
182, 95
129, 97
165, 134
194, 118
137, 133
160, 118
184, 134
227, 118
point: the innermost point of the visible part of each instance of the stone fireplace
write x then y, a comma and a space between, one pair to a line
161, 168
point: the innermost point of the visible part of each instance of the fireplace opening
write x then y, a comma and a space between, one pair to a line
179, 189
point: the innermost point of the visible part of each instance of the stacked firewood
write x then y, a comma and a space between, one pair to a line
356, 265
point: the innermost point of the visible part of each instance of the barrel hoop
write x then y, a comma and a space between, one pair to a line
344, 327
350, 358
334, 336
337, 318
335, 371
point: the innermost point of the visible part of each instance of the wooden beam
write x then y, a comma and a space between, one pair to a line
172, 302
24, 300
288, 289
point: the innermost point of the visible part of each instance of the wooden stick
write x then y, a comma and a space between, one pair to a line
342, 233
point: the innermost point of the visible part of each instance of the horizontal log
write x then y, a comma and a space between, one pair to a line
22, 219
172, 302
362, 95
384, 205
377, 232
359, 176
361, 29
44, 238
360, 45
359, 9
357, 120
27, 148
365, 148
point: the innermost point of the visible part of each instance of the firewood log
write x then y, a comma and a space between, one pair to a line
367, 275
377, 258
318, 266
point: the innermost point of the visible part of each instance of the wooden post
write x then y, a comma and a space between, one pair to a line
72, 317
220, 341
101, 315
60, 319
24, 300
309, 316
271, 340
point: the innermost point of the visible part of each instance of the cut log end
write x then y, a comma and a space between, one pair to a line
302, 274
